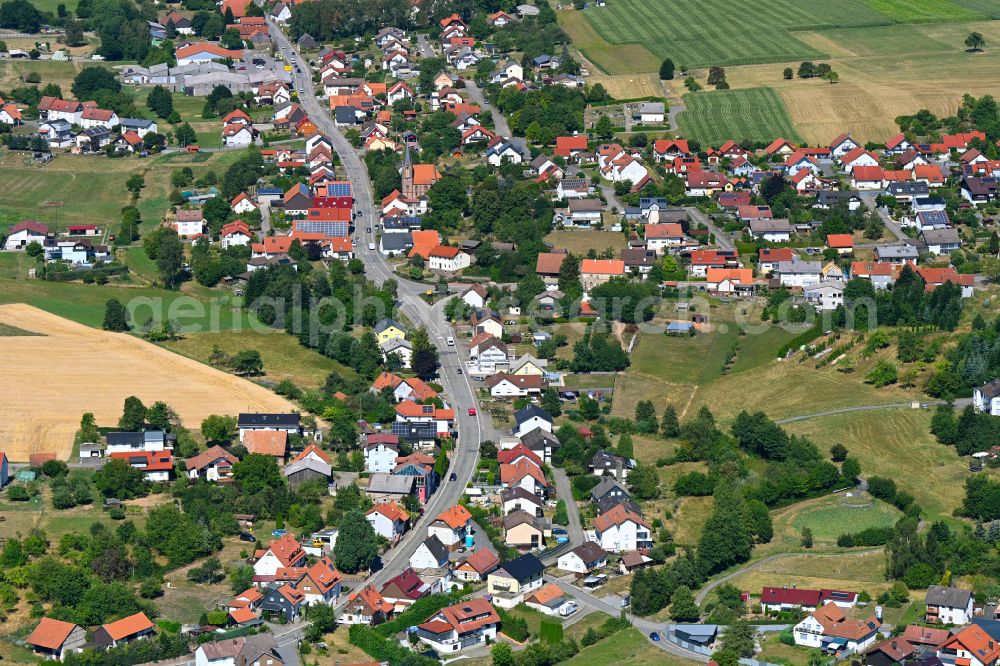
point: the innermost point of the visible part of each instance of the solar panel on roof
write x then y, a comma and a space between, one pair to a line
327, 228
338, 189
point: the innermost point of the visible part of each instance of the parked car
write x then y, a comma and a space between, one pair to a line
244, 536
655, 636
453, 477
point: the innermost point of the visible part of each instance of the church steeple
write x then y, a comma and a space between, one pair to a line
408, 189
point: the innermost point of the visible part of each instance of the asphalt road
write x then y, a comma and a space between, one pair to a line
499, 120
458, 388
722, 239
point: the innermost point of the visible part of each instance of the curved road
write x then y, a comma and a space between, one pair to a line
462, 396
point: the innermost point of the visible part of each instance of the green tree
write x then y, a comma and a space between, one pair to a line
160, 101
788, 73
248, 362
169, 257
119, 479
502, 655
88, 428
669, 424
91, 80
716, 76
667, 70
257, 473
115, 316
682, 605
883, 374
807, 537
133, 415
218, 429
975, 41
34, 249
241, 578
551, 402
760, 519
356, 546
644, 482
185, 135
604, 128
807, 70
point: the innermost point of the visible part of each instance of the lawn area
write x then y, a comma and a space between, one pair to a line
579, 241
850, 570
339, 650
754, 114
690, 518
774, 651
695, 37
140, 264
896, 443
625, 648
834, 515
283, 356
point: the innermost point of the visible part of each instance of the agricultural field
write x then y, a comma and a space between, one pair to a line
82, 372
697, 38
753, 114
916, 45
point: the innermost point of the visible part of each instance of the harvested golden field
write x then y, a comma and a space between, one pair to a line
51, 379
630, 86
885, 72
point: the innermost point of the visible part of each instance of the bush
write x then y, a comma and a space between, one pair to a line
515, 627
873, 536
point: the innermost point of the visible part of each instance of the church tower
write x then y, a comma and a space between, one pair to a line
408, 188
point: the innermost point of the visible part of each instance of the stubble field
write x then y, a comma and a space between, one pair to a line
50, 380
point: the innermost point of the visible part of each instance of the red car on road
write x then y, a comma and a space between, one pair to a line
472, 411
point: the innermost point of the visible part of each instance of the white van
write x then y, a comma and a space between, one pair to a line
451, 341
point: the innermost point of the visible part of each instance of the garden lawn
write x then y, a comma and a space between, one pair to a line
579, 241
753, 114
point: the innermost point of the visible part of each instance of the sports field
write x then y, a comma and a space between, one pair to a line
754, 114
50, 380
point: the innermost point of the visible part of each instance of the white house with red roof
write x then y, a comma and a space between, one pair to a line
95, 117
858, 157
242, 203
842, 145
621, 530
239, 135
455, 628
10, 115
389, 520
664, 236
448, 259
156, 466
236, 232
451, 526
23, 233
800, 160
283, 552
781, 148
668, 149
897, 145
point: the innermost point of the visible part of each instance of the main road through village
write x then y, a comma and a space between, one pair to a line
472, 430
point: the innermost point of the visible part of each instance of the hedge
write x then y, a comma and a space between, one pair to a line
803, 338
418, 612
384, 649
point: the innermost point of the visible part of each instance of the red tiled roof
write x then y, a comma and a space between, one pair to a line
50, 634
455, 517
266, 442
840, 241
603, 266
128, 626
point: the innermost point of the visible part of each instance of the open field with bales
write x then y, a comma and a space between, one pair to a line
82, 370
754, 114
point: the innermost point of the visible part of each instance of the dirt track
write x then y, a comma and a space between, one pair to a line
47, 383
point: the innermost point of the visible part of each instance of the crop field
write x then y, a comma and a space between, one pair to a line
753, 114
696, 35
50, 380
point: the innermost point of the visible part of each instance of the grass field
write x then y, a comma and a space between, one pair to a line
850, 570
578, 241
923, 11
835, 515
626, 648
82, 371
896, 443
283, 356
754, 114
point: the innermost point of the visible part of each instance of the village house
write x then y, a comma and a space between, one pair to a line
948, 605
777, 599
388, 520
282, 553
213, 464
20, 235
381, 451
477, 566
986, 398
366, 606
512, 581
621, 530
54, 639
584, 559
972, 645
530, 417
525, 531
404, 589
506, 385
430, 554
190, 223
451, 527
595, 272
828, 629
455, 628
